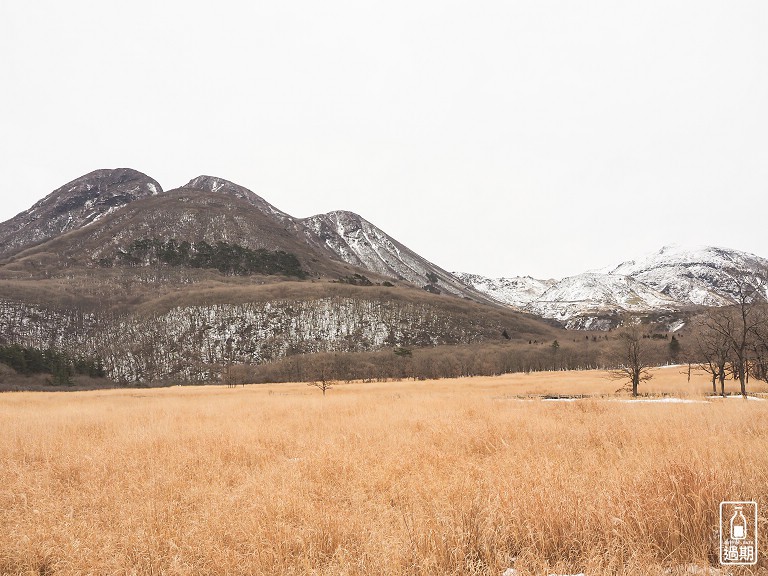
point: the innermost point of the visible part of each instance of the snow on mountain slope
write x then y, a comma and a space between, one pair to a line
704, 275
220, 185
356, 241
348, 237
581, 301
671, 280
515, 291
74, 205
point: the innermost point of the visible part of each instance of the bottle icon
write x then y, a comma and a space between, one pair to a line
738, 525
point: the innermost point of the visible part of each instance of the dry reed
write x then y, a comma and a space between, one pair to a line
444, 478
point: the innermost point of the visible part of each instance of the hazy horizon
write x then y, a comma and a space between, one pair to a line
501, 139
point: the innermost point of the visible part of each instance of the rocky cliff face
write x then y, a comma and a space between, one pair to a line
74, 205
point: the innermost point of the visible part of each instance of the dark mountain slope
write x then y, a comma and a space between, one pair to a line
349, 238
217, 185
183, 215
74, 205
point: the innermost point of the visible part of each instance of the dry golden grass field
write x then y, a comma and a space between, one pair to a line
438, 478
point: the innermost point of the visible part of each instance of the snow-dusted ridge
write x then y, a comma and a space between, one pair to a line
671, 280
578, 301
517, 291
352, 239
356, 241
698, 275
222, 186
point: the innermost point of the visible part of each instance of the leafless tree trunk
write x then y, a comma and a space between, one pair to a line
632, 359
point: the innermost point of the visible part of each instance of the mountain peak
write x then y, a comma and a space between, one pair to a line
216, 184
222, 186
74, 205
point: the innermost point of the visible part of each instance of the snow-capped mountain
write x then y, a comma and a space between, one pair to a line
516, 291
592, 300
667, 283
595, 301
703, 275
74, 205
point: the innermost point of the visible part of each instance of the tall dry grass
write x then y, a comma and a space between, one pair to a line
451, 477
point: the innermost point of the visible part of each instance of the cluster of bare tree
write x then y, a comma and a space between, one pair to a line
430, 363
733, 340
730, 341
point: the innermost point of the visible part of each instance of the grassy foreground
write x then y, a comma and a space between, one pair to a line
448, 477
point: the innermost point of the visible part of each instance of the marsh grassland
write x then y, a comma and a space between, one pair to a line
446, 478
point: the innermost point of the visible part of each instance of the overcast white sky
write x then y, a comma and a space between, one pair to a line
498, 137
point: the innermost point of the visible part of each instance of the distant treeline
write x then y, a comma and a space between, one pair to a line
225, 257
420, 363
440, 362
60, 365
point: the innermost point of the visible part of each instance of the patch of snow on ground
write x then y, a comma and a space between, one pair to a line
739, 397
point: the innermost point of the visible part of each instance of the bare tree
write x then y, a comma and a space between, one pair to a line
229, 373
322, 383
738, 325
714, 350
633, 363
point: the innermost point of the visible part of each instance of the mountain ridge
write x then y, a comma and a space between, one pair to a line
177, 285
350, 240
673, 279
112, 211
76, 204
